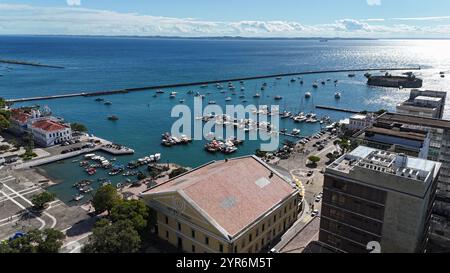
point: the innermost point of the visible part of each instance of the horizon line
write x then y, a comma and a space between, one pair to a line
229, 37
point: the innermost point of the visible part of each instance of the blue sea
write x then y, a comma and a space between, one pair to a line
100, 63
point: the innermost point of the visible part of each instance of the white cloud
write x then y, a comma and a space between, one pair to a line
73, 2
26, 19
374, 2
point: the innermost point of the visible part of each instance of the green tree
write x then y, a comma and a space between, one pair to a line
2, 102
4, 123
41, 199
177, 172
141, 176
35, 241
381, 111
314, 159
78, 127
52, 241
133, 210
118, 237
105, 199
260, 154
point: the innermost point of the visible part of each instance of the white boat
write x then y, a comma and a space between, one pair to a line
228, 99
337, 95
257, 95
315, 85
212, 102
89, 156
296, 132
173, 95
308, 95
78, 197
182, 101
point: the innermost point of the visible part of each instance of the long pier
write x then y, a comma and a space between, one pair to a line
337, 109
30, 64
155, 87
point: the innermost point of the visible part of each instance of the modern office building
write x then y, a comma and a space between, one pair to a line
424, 103
397, 138
234, 206
372, 195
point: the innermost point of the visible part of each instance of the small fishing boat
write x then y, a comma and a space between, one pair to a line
99, 99
257, 95
228, 99
279, 78
113, 118
315, 85
181, 100
286, 115
351, 75
296, 132
308, 95
108, 103
106, 183
278, 98
204, 86
212, 102
173, 95
337, 95
78, 197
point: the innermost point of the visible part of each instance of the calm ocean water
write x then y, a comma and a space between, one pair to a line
93, 64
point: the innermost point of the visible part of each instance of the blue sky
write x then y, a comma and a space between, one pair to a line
262, 18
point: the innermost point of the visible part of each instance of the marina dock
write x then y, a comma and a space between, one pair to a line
156, 87
337, 109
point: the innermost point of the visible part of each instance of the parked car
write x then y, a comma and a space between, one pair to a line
315, 213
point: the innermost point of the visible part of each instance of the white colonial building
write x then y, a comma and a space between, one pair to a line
359, 121
46, 129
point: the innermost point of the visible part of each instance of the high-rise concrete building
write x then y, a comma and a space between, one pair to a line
424, 103
378, 197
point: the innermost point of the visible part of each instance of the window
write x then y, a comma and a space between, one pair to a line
193, 233
167, 234
249, 238
274, 218
179, 226
220, 247
193, 248
235, 249
263, 227
206, 240
167, 220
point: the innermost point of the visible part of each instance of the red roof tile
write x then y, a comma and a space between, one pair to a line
19, 116
234, 193
49, 125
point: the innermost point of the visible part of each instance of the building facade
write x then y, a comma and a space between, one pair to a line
46, 130
359, 121
377, 196
235, 206
424, 103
